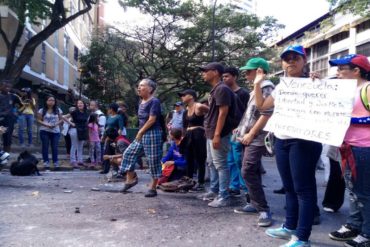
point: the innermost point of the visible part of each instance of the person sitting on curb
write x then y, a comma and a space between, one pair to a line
174, 163
117, 145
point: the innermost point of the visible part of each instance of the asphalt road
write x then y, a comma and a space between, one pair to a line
41, 211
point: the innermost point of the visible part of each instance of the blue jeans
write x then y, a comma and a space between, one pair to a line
296, 161
219, 170
25, 121
234, 161
359, 191
52, 138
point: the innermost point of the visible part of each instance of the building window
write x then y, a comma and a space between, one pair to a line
340, 36
56, 67
56, 40
321, 49
339, 54
66, 45
363, 26
27, 34
75, 54
308, 53
364, 49
321, 66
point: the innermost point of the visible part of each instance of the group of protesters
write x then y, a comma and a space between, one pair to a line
226, 134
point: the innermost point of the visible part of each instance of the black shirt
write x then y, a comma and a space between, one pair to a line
220, 95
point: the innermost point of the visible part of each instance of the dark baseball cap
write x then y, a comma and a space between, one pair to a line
179, 103
213, 66
188, 92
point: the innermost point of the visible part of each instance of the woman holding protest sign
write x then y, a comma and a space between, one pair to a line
355, 152
296, 161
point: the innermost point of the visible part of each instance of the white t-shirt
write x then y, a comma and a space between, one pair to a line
50, 118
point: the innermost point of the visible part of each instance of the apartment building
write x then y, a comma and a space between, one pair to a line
347, 34
54, 68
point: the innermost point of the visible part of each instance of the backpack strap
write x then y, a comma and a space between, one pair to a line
364, 99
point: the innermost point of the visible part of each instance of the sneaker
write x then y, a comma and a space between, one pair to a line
4, 155
197, 187
151, 193
219, 202
247, 209
264, 219
359, 241
209, 196
234, 193
279, 191
295, 242
281, 232
345, 233
46, 165
329, 210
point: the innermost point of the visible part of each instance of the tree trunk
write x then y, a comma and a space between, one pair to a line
13, 71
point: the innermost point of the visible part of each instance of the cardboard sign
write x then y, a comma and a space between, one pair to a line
318, 110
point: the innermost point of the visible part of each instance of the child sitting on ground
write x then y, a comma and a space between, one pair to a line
174, 163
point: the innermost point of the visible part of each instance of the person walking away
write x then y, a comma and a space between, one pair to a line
250, 134
355, 152
50, 117
194, 141
94, 145
234, 157
296, 161
218, 131
26, 115
148, 139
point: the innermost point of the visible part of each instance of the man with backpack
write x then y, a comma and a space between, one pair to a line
250, 133
218, 124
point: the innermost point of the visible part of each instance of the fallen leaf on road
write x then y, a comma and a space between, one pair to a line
151, 211
68, 191
35, 193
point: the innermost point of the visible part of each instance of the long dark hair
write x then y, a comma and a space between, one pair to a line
45, 106
93, 118
85, 106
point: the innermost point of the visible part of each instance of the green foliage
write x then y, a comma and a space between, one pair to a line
357, 7
179, 39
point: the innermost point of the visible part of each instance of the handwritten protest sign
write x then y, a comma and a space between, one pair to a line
318, 110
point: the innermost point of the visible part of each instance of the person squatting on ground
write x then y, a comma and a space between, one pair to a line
79, 133
173, 163
94, 141
148, 139
250, 133
234, 157
296, 161
50, 117
218, 129
194, 141
26, 115
355, 152
117, 145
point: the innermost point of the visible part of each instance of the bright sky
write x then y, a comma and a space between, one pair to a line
294, 14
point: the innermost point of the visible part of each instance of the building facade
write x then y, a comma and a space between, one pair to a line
347, 34
54, 68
